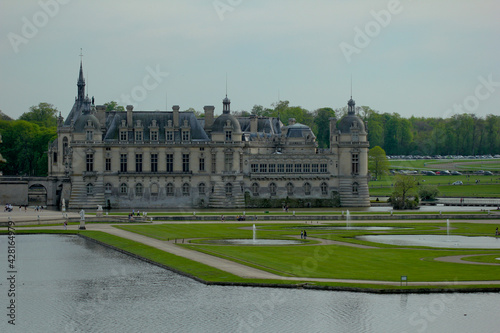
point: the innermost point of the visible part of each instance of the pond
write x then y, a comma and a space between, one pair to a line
69, 284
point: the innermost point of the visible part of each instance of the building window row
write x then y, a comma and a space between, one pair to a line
138, 135
289, 168
255, 188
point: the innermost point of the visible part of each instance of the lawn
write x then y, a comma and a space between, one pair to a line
384, 262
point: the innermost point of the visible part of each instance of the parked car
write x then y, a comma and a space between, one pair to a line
456, 173
458, 182
479, 172
488, 173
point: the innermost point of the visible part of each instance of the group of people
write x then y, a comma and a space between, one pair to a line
303, 234
285, 208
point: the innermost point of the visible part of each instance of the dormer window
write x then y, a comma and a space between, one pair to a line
229, 135
185, 135
138, 135
123, 135
90, 135
169, 135
153, 135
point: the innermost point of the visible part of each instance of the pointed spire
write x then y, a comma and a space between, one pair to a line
351, 104
81, 80
226, 102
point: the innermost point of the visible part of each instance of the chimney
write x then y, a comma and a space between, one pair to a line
254, 123
130, 108
209, 116
175, 108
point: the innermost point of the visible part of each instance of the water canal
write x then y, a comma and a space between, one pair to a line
69, 284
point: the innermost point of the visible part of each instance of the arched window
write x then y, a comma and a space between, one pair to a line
289, 189
90, 189
229, 189
170, 190
201, 188
307, 189
355, 188
108, 188
255, 189
324, 188
123, 188
272, 188
185, 189
138, 189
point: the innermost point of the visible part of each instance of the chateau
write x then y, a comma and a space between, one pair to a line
160, 159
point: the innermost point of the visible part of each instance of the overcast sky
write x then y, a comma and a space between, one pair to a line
421, 58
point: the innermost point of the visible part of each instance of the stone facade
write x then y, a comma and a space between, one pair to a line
141, 159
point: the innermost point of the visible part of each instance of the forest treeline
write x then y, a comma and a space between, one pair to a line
25, 141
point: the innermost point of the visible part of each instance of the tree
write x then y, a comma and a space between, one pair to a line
322, 123
428, 192
44, 114
113, 106
377, 162
404, 195
24, 146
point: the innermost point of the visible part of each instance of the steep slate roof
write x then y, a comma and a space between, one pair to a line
113, 123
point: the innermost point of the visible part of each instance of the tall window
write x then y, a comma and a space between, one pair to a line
229, 136
185, 189
289, 168
170, 190
185, 162
90, 135
263, 168
315, 168
108, 164
201, 189
153, 136
123, 188
298, 168
90, 162
54, 159
255, 189
170, 162
289, 189
323, 168
202, 164
138, 190
154, 162
90, 189
185, 135
272, 168
272, 189
355, 164
228, 161
108, 187
307, 189
214, 164
229, 189
123, 135
355, 188
281, 168
169, 135
138, 135
307, 168
123, 162
324, 188
254, 167
138, 162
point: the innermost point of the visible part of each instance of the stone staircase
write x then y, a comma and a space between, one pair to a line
79, 198
218, 198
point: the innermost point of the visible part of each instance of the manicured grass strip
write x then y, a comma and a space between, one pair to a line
187, 266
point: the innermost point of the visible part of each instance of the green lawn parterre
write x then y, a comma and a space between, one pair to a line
385, 262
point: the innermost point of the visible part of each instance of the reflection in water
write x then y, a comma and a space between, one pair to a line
68, 284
